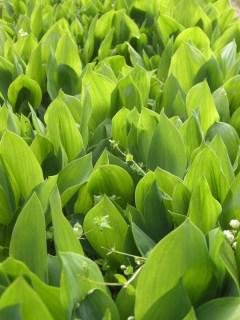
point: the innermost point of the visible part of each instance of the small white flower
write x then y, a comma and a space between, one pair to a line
229, 236
77, 228
234, 245
22, 33
102, 222
123, 267
234, 223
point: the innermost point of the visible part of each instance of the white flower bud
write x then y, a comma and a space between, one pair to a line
229, 236
234, 245
234, 223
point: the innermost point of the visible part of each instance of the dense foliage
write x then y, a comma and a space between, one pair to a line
119, 160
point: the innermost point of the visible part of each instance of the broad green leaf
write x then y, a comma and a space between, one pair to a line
75, 174
24, 174
12, 312
67, 53
64, 237
112, 180
221, 309
170, 156
41, 147
97, 305
6, 213
180, 199
229, 137
220, 149
32, 307
228, 59
163, 309
143, 242
155, 214
199, 97
14, 269
204, 209
166, 181
28, 240
206, 163
166, 26
231, 204
173, 98
22, 91
132, 90
211, 72
96, 84
61, 77
192, 133
148, 120
191, 315
84, 201
62, 130
185, 64
106, 229
35, 67
222, 104
182, 254
120, 127
80, 276
6, 76
231, 87
196, 37
125, 301
142, 188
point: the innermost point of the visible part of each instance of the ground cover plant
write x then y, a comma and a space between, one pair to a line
119, 160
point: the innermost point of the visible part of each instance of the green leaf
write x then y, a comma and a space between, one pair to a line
220, 149
75, 174
170, 156
141, 190
182, 254
231, 87
80, 276
162, 308
155, 214
25, 173
106, 229
132, 90
35, 67
96, 84
22, 91
229, 137
200, 97
222, 104
204, 209
195, 36
32, 307
207, 164
221, 309
231, 204
120, 127
143, 242
185, 64
97, 305
64, 237
28, 240
192, 133
50, 295
67, 53
62, 129
112, 180
125, 301
12, 312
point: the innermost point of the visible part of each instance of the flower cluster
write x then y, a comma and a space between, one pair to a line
231, 235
